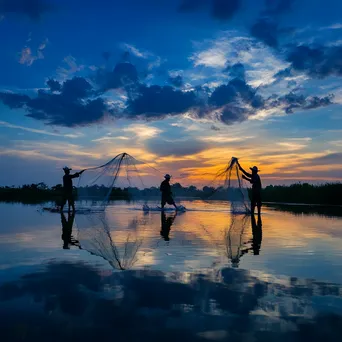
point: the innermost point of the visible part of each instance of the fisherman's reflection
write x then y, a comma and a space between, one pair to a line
166, 223
67, 225
257, 234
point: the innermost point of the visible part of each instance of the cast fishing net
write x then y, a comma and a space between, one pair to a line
229, 185
122, 178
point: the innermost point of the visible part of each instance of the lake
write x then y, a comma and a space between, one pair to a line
201, 275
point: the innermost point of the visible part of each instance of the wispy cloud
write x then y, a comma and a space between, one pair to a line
28, 57
291, 146
70, 69
223, 139
136, 52
143, 132
336, 26
39, 131
109, 138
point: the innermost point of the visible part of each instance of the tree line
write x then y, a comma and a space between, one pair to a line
329, 193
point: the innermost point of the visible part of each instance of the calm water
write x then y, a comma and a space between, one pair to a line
200, 275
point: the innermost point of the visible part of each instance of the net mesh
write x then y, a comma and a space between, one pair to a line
123, 177
229, 185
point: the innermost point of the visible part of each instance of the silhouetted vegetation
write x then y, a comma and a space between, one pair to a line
328, 194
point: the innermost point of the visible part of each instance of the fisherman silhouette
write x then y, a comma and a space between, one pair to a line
165, 189
67, 188
254, 179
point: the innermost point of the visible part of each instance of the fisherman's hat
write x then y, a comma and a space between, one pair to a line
65, 168
167, 176
254, 168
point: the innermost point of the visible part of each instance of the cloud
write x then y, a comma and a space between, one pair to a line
336, 26
27, 57
123, 74
162, 147
176, 81
156, 101
74, 105
267, 31
54, 85
219, 9
34, 9
136, 52
292, 101
236, 70
214, 128
38, 131
276, 7
317, 62
143, 132
328, 159
71, 69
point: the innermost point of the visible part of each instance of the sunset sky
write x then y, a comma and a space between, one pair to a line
182, 84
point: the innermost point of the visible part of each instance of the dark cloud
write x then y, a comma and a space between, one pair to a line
123, 74
236, 71
276, 7
14, 100
292, 101
214, 128
176, 81
225, 10
54, 85
318, 62
219, 9
73, 106
267, 31
76, 102
236, 91
34, 9
156, 101
175, 148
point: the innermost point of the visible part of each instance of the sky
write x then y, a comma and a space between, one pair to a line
181, 84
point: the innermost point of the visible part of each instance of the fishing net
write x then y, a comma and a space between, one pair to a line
229, 185
122, 178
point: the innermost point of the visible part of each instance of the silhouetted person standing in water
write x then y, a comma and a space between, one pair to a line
67, 188
165, 189
254, 179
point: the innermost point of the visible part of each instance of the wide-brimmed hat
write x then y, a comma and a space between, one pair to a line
65, 168
254, 168
167, 176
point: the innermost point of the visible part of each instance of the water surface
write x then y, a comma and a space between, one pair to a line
148, 276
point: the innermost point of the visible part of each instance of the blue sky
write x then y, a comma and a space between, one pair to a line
182, 84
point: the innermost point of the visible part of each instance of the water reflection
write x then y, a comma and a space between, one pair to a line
100, 236
235, 245
200, 239
233, 305
67, 225
166, 223
257, 234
